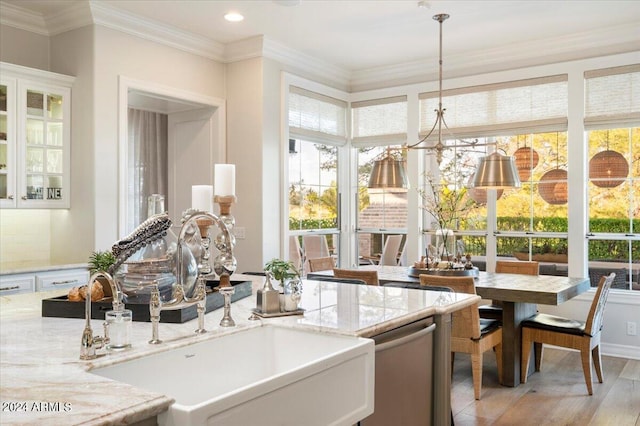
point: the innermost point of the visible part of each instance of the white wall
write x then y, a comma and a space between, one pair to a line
24, 48
118, 54
244, 149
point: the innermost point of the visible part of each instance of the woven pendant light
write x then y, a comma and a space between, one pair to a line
526, 160
479, 195
553, 186
609, 165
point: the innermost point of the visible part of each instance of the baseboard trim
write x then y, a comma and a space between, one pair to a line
611, 349
620, 351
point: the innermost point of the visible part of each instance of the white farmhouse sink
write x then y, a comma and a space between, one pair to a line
264, 375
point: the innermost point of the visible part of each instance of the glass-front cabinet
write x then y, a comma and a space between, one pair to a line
7, 143
35, 138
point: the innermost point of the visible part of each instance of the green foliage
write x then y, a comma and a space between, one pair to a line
281, 269
598, 249
101, 261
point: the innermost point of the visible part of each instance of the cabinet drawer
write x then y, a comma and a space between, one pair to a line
12, 284
61, 279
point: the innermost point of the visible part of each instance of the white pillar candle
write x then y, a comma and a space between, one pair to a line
202, 198
225, 179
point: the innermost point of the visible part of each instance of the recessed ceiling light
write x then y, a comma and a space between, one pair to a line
233, 17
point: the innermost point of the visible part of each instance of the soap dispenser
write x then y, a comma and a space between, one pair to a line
268, 301
118, 327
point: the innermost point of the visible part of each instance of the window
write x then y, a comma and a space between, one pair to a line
612, 119
529, 114
317, 127
379, 127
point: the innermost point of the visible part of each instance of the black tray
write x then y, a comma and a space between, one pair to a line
61, 307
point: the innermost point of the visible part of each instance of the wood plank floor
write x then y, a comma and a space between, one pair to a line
557, 395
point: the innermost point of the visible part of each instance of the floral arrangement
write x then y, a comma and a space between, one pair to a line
447, 205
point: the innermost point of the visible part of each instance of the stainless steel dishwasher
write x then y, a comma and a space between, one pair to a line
404, 376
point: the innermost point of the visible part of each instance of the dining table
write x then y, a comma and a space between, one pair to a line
519, 294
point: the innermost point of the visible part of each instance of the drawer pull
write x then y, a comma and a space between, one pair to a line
64, 282
15, 287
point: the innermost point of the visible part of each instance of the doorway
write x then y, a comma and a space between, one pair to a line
195, 142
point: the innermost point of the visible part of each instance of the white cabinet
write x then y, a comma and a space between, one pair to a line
35, 138
61, 279
18, 283
29, 282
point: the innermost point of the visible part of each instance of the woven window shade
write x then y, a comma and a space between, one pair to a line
379, 121
553, 186
612, 97
516, 107
317, 118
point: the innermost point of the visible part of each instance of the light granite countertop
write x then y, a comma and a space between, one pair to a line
44, 382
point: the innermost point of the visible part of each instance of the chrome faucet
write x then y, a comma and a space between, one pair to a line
89, 342
179, 299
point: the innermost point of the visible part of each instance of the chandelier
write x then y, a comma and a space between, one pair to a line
494, 170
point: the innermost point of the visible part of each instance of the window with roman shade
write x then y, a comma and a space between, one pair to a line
317, 127
612, 119
378, 125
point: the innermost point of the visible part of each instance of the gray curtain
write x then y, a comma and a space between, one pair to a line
147, 157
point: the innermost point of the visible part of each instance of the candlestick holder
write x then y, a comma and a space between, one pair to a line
224, 262
204, 267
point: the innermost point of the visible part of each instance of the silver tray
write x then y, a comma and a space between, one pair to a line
415, 272
277, 314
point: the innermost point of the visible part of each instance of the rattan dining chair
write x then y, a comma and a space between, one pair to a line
494, 310
469, 333
370, 277
321, 264
568, 333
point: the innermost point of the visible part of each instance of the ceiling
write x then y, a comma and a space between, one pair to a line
363, 35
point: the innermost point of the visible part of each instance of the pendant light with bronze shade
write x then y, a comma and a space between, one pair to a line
388, 172
553, 184
526, 160
608, 169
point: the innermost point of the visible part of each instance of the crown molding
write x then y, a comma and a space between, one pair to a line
308, 64
150, 30
592, 43
76, 16
598, 42
22, 19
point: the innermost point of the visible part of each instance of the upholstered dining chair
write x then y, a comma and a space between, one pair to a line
494, 310
568, 333
469, 333
390, 250
321, 264
369, 277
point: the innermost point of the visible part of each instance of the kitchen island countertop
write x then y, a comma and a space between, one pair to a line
44, 381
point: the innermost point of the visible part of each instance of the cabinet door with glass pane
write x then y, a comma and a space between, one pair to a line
43, 145
7, 143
